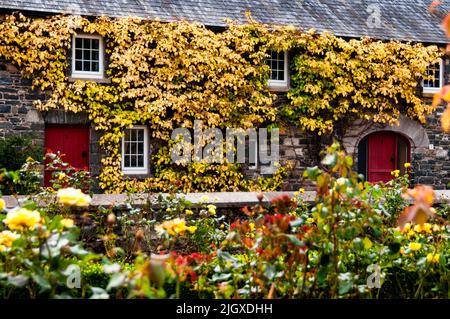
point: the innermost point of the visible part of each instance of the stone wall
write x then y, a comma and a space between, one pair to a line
429, 145
17, 115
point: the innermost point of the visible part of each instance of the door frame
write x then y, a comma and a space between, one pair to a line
364, 142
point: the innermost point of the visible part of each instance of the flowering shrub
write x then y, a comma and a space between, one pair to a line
356, 240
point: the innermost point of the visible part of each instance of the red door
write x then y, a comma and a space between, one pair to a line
387, 151
72, 142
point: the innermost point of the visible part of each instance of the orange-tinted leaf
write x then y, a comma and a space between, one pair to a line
445, 120
437, 99
445, 93
432, 7
446, 25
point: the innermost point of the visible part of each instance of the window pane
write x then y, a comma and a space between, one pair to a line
78, 43
86, 66
140, 161
133, 148
127, 148
94, 67
127, 161
280, 75
141, 148
133, 161
86, 54
87, 43
78, 66
94, 55
95, 43
140, 135
280, 65
78, 54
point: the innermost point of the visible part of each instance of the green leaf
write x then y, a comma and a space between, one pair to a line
41, 281
330, 160
295, 240
116, 281
99, 293
345, 282
367, 243
18, 281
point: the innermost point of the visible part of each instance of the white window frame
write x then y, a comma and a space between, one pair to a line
433, 90
136, 170
101, 53
281, 84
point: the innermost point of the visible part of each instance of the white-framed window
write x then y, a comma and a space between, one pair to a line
135, 150
436, 78
278, 63
87, 56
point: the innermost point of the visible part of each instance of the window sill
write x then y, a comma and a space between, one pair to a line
96, 80
278, 88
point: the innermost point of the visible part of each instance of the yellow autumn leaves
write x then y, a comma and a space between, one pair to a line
167, 75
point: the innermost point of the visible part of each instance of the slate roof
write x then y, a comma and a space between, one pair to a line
406, 20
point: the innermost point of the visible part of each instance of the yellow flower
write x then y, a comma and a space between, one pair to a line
433, 258
252, 226
395, 173
204, 198
222, 226
61, 176
211, 209
188, 212
296, 194
22, 218
426, 228
436, 228
301, 190
73, 197
30, 159
402, 251
407, 165
310, 220
7, 238
67, 222
406, 228
2, 204
415, 246
174, 227
191, 229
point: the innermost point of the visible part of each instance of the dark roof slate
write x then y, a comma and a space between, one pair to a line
406, 20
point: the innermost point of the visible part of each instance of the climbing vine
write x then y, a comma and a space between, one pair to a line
336, 81
166, 75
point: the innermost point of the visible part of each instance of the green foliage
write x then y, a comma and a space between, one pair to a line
15, 150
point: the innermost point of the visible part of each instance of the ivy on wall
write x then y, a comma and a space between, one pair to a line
166, 75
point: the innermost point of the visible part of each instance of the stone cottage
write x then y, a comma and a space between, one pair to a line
377, 149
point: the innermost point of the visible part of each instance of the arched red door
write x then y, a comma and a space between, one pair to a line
386, 152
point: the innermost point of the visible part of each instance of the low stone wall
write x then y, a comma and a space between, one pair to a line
220, 200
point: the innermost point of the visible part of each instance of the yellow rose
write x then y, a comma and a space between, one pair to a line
191, 229
67, 222
188, 212
2, 204
433, 258
73, 197
415, 246
407, 165
310, 220
211, 209
7, 238
22, 218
